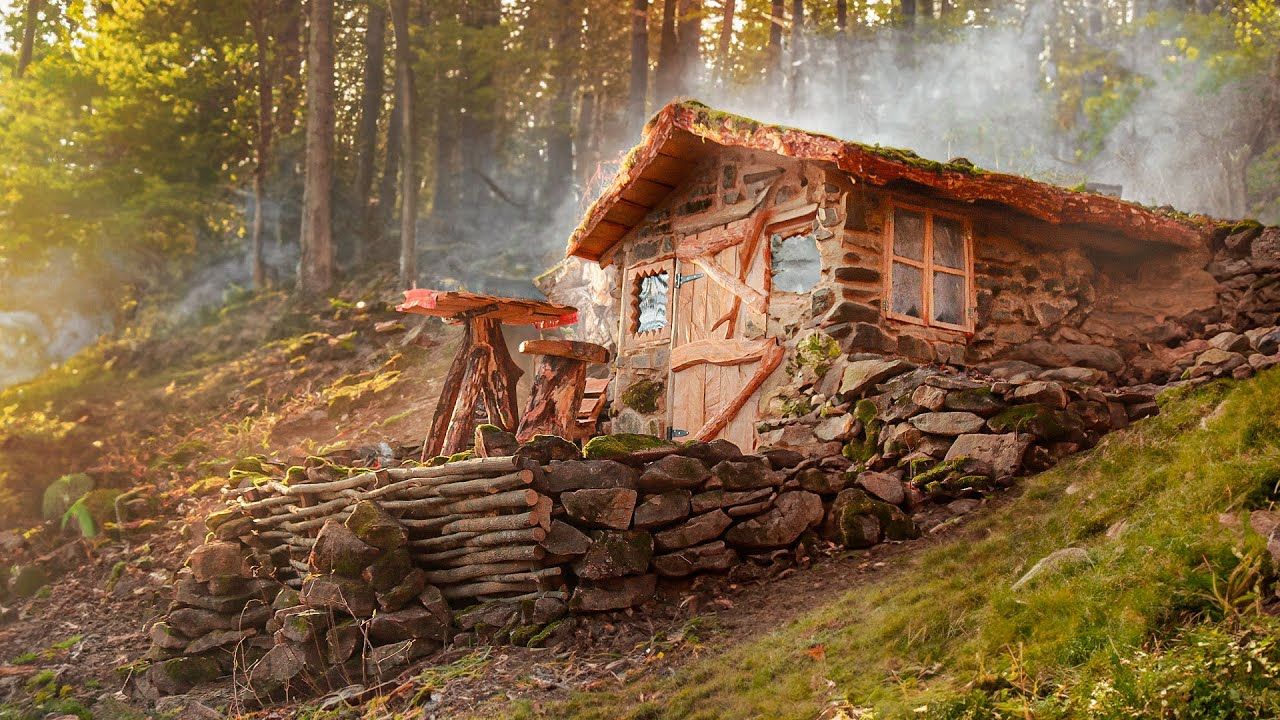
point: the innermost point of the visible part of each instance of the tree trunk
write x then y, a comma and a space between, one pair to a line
387, 185
289, 61
587, 146
688, 38
925, 9
262, 40
776, 11
639, 86
909, 13
726, 36
842, 15
560, 135
408, 176
27, 48
375, 44
668, 56
315, 267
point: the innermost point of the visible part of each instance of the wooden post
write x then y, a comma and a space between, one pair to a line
558, 384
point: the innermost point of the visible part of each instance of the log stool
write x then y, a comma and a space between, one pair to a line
559, 382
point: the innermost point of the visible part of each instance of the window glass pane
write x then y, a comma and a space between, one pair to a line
908, 234
908, 298
948, 298
653, 302
796, 264
948, 243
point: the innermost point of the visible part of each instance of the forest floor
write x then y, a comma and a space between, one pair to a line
929, 628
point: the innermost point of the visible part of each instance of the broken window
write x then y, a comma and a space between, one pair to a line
929, 269
647, 301
653, 302
797, 266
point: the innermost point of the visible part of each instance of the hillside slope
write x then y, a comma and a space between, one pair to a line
1165, 617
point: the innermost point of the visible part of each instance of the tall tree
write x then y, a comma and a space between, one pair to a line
665, 85
408, 156
774, 55
262, 148
909, 13
726, 36
564, 75
315, 266
371, 98
842, 15
638, 89
27, 48
688, 39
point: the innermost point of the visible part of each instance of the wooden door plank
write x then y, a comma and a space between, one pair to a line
718, 352
717, 422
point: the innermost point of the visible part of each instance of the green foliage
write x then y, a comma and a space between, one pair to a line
63, 493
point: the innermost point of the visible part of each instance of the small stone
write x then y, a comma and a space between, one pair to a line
820, 481
217, 638
1230, 342
1002, 454
883, 486
1049, 394
836, 427
862, 375
948, 423
194, 622
410, 587
607, 508
178, 675
748, 474
565, 540
673, 472
163, 635
793, 513
337, 550
929, 397
700, 529
389, 570
407, 624
337, 593
659, 510
614, 553
493, 441
613, 594
711, 557
544, 449
217, 559
980, 401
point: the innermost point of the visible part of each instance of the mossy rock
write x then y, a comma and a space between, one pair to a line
253, 464
27, 580
643, 396
866, 411
606, 447
939, 472
975, 400
460, 456
1045, 423
816, 351
546, 632
520, 636
375, 526
295, 475
180, 674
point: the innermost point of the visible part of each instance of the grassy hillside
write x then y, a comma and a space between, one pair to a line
1164, 619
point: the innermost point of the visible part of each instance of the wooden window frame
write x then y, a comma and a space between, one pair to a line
631, 302
928, 268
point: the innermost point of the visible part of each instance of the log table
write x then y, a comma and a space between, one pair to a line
559, 381
483, 375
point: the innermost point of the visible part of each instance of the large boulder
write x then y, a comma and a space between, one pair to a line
673, 472
607, 508
792, 514
700, 529
614, 553
1002, 454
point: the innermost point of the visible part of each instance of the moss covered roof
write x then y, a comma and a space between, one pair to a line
680, 131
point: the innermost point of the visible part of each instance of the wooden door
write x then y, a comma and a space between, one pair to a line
720, 354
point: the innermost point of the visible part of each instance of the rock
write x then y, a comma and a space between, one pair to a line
164, 635
862, 375
407, 624
1093, 356
659, 510
948, 423
194, 622
338, 551
389, 570
622, 445
27, 580
544, 449
856, 532
217, 559
980, 401
836, 427
748, 474
562, 477
376, 526
673, 472
195, 594
216, 639
1216, 362
178, 675
782, 458
493, 441
699, 529
1001, 453
864, 337
883, 486
843, 523
1054, 561
613, 594
1268, 342
1076, 375
410, 587
1264, 522
1043, 422
300, 624
929, 397
337, 593
1049, 394
432, 598
387, 658
614, 553
608, 508
900, 439
820, 481
494, 614
548, 609
565, 540
846, 311
712, 452
711, 557
793, 513
1230, 342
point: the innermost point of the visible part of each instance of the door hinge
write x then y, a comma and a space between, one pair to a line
673, 433
682, 279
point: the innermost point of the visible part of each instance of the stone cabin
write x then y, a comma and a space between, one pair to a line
724, 242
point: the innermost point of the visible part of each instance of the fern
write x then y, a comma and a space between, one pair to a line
79, 511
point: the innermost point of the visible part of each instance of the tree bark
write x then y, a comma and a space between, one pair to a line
726, 36
638, 89
27, 48
777, 8
375, 44
688, 38
408, 155
560, 135
262, 39
289, 65
315, 268
387, 185
842, 15
588, 145
668, 56
909, 13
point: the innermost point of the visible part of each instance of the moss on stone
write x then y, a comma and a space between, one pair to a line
520, 636
816, 351
643, 395
191, 670
1039, 420
604, 447
295, 475
460, 456
541, 636
865, 410
939, 472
